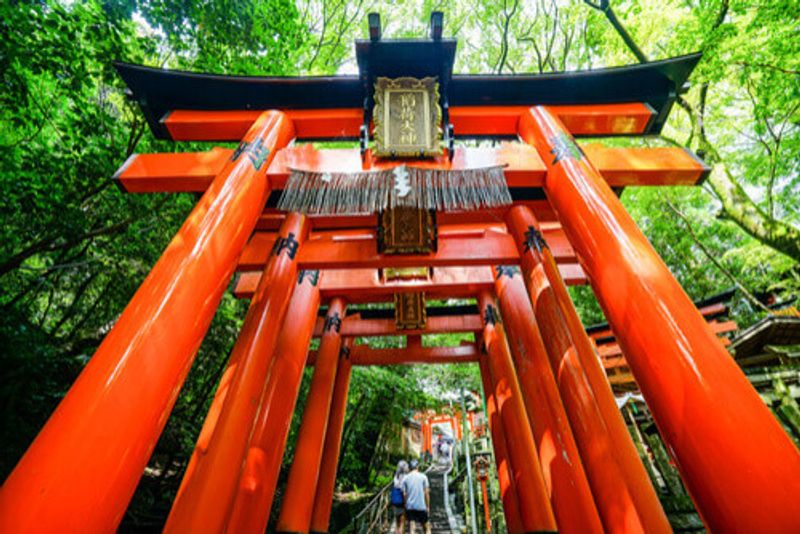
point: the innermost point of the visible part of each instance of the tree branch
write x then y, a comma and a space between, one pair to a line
70, 312
50, 246
740, 208
504, 39
709, 254
766, 66
605, 7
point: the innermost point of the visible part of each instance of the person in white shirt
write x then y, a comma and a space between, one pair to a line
416, 490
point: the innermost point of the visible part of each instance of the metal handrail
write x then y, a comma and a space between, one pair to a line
445, 476
375, 512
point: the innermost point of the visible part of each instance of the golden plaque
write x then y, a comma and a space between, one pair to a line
407, 117
393, 274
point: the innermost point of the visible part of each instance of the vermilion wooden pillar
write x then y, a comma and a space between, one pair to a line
535, 510
83, 467
614, 477
206, 494
426, 439
487, 515
429, 437
256, 488
212, 416
508, 491
562, 468
298, 500
323, 501
740, 467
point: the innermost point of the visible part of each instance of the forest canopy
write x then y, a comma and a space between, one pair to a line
73, 248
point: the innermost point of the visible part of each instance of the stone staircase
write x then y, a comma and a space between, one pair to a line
439, 517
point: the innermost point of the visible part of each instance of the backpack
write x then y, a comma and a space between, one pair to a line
397, 496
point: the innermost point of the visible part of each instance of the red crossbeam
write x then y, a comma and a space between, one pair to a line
603, 119
523, 166
194, 171
364, 355
363, 285
355, 326
354, 249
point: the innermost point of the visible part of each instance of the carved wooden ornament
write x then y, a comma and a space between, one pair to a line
407, 231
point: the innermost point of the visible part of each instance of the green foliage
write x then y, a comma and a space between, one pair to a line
370, 417
244, 37
73, 248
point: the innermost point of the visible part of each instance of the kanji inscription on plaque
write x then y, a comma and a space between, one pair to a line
407, 117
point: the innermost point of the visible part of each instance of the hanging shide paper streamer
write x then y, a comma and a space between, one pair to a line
371, 192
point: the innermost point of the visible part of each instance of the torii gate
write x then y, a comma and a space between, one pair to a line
565, 460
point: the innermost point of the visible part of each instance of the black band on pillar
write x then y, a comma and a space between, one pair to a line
506, 270
312, 275
490, 315
288, 243
534, 240
332, 322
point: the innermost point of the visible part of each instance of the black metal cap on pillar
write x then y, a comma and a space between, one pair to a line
374, 21
437, 25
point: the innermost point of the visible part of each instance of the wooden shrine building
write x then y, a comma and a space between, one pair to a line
409, 215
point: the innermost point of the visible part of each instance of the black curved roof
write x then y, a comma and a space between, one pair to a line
160, 91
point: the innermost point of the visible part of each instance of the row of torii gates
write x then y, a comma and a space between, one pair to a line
564, 458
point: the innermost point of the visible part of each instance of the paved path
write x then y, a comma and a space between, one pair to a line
440, 522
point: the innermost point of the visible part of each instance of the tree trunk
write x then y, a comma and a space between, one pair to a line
741, 209
736, 203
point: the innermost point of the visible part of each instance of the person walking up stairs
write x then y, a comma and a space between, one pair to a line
416, 489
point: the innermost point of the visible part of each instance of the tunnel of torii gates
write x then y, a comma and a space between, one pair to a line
564, 458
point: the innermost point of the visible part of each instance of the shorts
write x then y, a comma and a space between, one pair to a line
418, 516
398, 510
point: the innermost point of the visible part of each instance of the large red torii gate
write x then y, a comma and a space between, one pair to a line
566, 464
